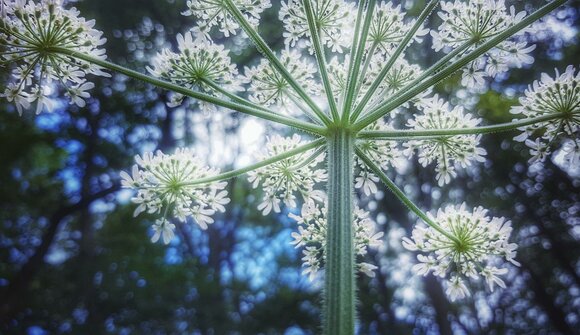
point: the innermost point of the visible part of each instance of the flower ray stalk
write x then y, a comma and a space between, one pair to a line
233, 96
354, 45
413, 89
431, 70
400, 194
270, 116
353, 75
320, 58
234, 173
404, 134
339, 291
402, 46
319, 115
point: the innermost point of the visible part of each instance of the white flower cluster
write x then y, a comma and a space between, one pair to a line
334, 18
167, 183
267, 86
446, 151
28, 33
311, 234
559, 96
388, 27
475, 21
280, 181
198, 65
211, 13
399, 75
478, 243
384, 153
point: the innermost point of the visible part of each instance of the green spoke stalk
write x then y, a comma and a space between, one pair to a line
309, 159
269, 54
354, 44
235, 173
270, 116
431, 70
355, 61
402, 46
401, 195
234, 97
429, 133
365, 67
321, 58
339, 293
413, 89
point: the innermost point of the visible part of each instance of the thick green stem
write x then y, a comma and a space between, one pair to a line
339, 295
411, 90
270, 116
398, 134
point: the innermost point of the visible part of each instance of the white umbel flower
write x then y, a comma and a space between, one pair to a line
398, 76
166, 184
472, 20
388, 27
558, 96
211, 13
200, 64
29, 32
478, 20
333, 17
478, 243
268, 86
311, 234
283, 180
445, 150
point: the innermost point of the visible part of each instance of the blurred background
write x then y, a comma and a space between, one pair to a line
73, 260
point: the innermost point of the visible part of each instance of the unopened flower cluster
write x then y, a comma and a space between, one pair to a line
311, 235
28, 30
166, 184
468, 244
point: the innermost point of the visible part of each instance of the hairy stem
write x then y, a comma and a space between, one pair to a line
339, 294
397, 134
411, 90
270, 116
401, 195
